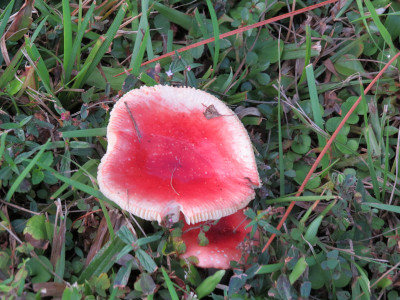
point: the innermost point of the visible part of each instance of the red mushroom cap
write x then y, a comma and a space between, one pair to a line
225, 239
177, 149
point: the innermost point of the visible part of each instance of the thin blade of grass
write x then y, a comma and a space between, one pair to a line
26, 171
3, 142
85, 133
203, 29
80, 176
280, 139
308, 53
315, 106
139, 58
11, 69
147, 80
370, 162
214, 21
79, 79
67, 35
381, 206
38, 29
368, 132
170, 286
299, 198
141, 40
173, 15
77, 43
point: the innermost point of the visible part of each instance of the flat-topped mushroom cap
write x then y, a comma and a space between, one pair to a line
177, 149
224, 240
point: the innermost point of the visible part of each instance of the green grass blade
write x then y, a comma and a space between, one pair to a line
315, 106
108, 220
140, 41
11, 69
266, 269
85, 133
170, 286
170, 41
67, 35
147, 80
381, 206
280, 139
209, 284
203, 29
3, 142
139, 58
26, 171
299, 198
79, 80
214, 21
82, 176
308, 53
298, 269
173, 15
77, 42
387, 155
382, 29
104, 259
38, 29
77, 185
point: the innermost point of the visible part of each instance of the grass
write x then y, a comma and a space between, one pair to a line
322, 94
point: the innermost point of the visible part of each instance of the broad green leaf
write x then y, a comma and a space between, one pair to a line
209, 284
348, 65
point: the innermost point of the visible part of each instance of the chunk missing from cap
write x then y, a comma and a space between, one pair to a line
226, 242
167, 154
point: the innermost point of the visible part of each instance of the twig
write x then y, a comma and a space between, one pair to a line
134, 122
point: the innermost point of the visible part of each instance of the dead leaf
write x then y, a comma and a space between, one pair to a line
211, 112
241, 112
49, 289
21, 23
41, 244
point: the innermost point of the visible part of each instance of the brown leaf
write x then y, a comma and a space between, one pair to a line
247, 111
211, 112
41, 244
21, 23
49, 289
102, 236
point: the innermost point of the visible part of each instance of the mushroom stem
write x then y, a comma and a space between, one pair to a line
134, 122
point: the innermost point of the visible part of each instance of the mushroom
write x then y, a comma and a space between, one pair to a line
226, 242
173, 150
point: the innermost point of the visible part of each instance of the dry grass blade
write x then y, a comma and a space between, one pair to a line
102, 235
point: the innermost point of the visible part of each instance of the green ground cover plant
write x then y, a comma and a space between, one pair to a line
291, 82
